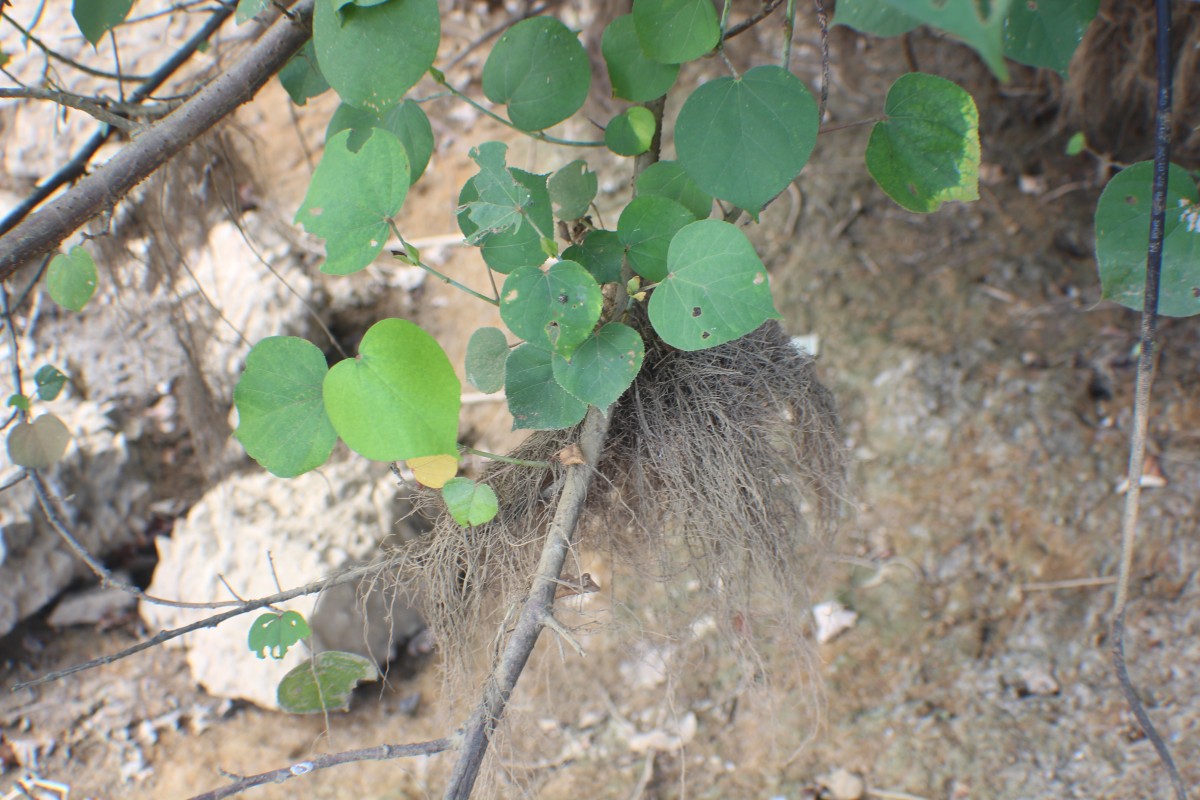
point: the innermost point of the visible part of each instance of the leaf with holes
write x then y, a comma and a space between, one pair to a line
281, 412
556, 309
572, 190
49, 380
675, 31
324, 682
39, 444
535, 398
646, 228
97, 17
631, 132
634, 75
926, 152
540, 71
273, 634
1123, 236
669, 179
470, 503
373, 55
72, 278
352, 198
301, 76
601, 253
745, 139
516, 246
399, 398
487, 351
603, 367
716, 291
498, 200
407, 122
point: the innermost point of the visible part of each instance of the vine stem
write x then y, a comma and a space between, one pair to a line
519, 462
444, 278
542, 137
1145, 378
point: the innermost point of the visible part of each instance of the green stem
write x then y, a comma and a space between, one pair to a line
533, 134
402, 254
789, 27
505, 459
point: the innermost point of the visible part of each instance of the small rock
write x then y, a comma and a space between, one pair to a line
1039, 681
843, 785
832, 618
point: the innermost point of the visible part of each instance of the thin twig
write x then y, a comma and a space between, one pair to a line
748, 23
336, 579
506, 459
383, 752
1145, 377
76, 101
539, 135
496, 31
57, 56
823, 24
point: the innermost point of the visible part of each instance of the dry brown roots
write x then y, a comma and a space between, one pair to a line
727, 463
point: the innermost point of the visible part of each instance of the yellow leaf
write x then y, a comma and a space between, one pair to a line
433, 471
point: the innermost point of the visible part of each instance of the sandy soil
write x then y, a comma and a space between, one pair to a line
986, 393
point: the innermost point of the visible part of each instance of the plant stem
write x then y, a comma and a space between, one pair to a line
789, 29
520, 462
540, 136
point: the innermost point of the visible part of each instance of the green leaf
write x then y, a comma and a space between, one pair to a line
39, 444
519, 246
540, 70
72, 278
744, 140
926, 152
18, 401
301, 77
980, 25
633, 75
646, 228
97, 17
399, 398
557, 308
876, 17
470, 503
1076, 143
603, 367
572, 189
281, 411
1123, 237
49, 381
601, 253
501, 199
717, 289
272, 634
407, 122
353, 196
487, 351
1045, 33
631, 132
249, 9
373, 55
324, 682
669, 179
536, 400
675, 31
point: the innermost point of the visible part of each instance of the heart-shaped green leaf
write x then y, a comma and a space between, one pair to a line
301, 76
97, 17
717, 289
980, 25
38, 444
1047, 32
273, 634
373, 55
669, 179
72, 278
281, 411
555, 309
675, 31
601, 253
634, 76
631, 132
521, 244
1123, 236
407, 122
470, 503
646, 228
353, 196
50, 381
399, 398
744, 139
487, 351
603, 367
572, 189
535, 398
324, 682
926, 152
540, 70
